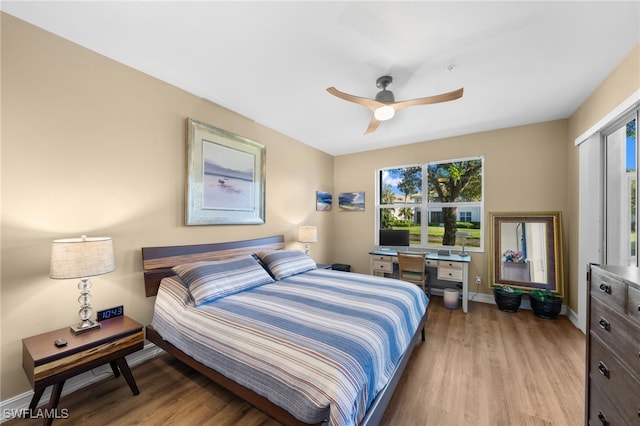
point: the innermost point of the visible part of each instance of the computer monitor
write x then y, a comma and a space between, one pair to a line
394, 238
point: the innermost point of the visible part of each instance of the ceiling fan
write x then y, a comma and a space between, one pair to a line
384, 105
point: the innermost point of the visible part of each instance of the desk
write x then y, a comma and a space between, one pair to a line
453, 268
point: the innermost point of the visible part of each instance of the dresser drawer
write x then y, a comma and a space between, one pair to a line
633, 304
602, 412
384, 266
619, 334
614, 381
612, 291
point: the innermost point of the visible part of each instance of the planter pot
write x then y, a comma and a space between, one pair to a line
549, 308
507, 301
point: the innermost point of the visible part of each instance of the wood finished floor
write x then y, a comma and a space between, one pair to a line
487, 367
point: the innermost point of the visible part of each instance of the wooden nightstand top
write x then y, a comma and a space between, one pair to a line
42, 348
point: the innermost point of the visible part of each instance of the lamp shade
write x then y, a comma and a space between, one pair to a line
307, 234
81, 257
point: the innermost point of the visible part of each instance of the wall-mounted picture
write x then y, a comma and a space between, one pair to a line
225, 177
351, 202
323, 201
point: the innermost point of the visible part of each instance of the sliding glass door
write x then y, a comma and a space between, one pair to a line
621, 191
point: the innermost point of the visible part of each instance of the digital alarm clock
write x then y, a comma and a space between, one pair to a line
106, 314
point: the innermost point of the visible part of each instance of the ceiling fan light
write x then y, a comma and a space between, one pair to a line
384, 113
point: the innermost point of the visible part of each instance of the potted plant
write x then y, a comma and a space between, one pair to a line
545, 304
507, 298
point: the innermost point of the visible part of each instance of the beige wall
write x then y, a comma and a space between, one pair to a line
524, 170
92, 147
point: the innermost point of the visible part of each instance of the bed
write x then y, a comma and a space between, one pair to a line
305, 345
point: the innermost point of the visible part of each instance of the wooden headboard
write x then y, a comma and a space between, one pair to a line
158, 261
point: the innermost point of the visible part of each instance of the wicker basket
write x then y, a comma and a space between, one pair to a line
548, 309
507, 301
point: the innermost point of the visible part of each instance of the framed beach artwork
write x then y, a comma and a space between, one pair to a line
351, 202
323, 201
225, 177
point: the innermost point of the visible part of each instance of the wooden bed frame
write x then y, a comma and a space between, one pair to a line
157, 263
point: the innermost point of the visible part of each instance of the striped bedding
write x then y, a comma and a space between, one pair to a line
320, 344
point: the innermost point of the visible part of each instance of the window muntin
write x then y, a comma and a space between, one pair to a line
434, 201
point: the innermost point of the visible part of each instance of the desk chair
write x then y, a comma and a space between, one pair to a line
412, 268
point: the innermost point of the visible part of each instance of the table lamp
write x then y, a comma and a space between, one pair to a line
82, 258
307, 234
464, 236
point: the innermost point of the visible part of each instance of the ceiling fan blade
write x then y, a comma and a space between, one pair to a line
373, 125
372, 104
444, 97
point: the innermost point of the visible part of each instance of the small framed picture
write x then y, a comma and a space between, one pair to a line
323, 201
351, 202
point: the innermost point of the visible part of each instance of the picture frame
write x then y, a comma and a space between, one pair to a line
351, 202
324, 201
225, 177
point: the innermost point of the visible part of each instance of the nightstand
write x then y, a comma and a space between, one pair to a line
46, 364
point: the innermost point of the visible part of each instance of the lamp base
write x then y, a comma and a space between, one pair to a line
85, 326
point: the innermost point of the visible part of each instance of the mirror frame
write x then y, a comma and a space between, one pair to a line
553, 220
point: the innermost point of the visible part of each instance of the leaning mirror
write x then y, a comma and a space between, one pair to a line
526, 250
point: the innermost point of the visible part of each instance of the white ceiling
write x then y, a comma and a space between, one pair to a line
519, 62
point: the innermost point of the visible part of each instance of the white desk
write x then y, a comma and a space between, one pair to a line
453, 268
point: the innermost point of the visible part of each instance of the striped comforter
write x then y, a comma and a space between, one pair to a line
319, 344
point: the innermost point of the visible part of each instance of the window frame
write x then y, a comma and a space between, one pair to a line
426, 206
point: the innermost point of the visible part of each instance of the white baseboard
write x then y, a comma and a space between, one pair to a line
20, 403
489, 298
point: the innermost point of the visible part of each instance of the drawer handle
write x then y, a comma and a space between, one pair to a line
603, 369
602, 419
605, 288
604, 324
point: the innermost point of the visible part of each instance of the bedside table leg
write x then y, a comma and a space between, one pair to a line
126, 372
53, 402
114, 368
37, 394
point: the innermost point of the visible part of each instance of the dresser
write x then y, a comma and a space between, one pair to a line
613, 346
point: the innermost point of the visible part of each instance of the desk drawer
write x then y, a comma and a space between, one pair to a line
381, 257
449, 265
449, 274
384, 266
431, 263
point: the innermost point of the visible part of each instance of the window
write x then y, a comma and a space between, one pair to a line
434, 201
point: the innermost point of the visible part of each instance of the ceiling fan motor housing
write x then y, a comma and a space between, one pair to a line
384, 95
